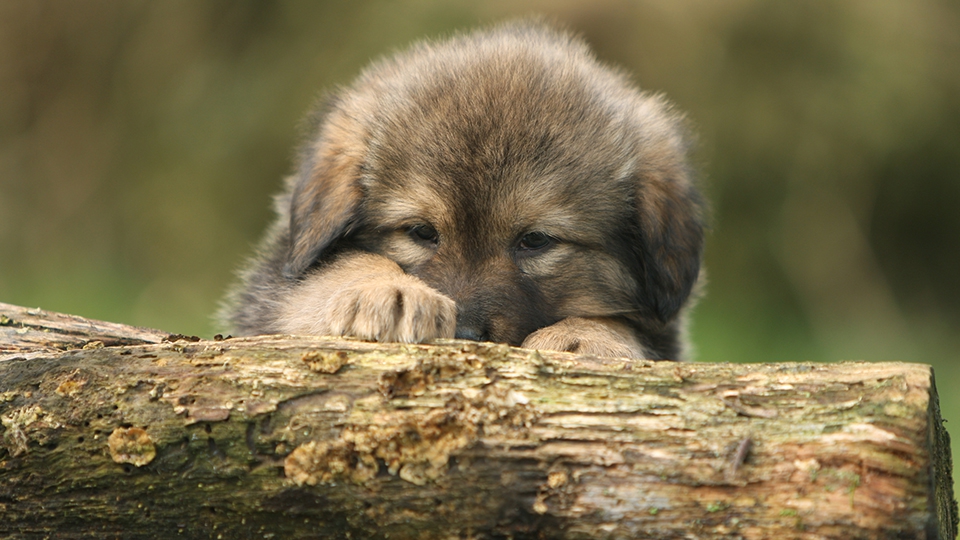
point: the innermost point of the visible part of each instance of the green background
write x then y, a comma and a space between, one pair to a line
140, 142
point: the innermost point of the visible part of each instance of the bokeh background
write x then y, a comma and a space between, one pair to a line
140, 142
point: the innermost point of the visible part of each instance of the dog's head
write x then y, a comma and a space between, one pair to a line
513, 173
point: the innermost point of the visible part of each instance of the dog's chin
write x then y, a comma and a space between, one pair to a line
510, 335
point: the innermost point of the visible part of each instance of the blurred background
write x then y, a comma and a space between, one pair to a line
140, 142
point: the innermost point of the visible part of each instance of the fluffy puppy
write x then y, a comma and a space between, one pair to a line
501, 186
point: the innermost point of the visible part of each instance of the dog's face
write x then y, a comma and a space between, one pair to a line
512, 221
527, 197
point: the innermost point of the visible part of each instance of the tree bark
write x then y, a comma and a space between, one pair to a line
113, 431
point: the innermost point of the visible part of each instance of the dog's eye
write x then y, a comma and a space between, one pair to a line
424, 233
535, 240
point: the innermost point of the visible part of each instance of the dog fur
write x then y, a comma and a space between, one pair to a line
501, 185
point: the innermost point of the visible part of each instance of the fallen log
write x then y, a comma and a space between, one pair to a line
112, 431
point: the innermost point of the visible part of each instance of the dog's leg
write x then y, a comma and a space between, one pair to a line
596, 336
366, 296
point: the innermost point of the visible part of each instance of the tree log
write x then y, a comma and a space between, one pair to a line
112, 431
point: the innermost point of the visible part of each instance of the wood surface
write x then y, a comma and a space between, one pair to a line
118, 432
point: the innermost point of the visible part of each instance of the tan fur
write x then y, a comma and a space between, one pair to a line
369, 297
598, 336
501, 185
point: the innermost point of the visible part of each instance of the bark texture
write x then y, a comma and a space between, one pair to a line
110, 431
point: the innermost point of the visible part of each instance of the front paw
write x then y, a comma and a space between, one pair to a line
404, 310
587, 336
379, 306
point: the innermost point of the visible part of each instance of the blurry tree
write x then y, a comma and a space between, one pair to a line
140, 142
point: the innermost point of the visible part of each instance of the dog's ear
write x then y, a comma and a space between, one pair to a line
671, 229
326, 193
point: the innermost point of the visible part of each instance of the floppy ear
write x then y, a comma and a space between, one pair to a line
326, 194
670, 219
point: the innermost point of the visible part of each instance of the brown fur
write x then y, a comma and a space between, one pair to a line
501, 185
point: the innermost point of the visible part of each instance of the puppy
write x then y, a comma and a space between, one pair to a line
498, 186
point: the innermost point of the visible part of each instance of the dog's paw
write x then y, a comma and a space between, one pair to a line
586, 336
404, 310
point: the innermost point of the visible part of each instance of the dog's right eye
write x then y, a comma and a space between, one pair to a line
424, 233
534, 241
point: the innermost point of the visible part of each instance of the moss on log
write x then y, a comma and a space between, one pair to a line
306, 437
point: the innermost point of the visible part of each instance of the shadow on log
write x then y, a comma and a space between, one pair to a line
113, 431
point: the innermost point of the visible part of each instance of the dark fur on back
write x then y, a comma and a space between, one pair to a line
500, 185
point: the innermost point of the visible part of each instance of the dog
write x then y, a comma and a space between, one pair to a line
501, 185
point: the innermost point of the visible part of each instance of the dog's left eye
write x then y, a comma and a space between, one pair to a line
535, 240
424, 233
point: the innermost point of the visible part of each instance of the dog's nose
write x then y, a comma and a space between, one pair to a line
471, 333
